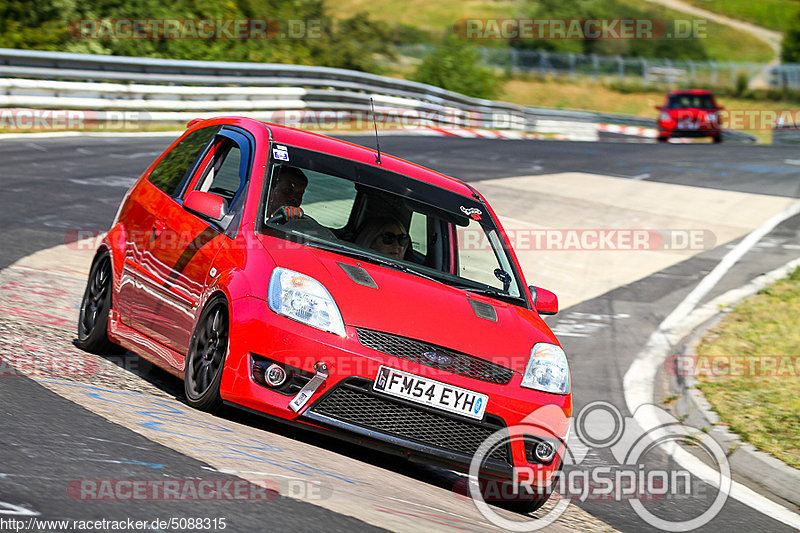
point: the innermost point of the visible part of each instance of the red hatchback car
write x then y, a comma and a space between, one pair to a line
325, 284
689, 113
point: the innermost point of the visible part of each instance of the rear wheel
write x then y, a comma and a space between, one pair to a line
717, 139
206, 357
95, 306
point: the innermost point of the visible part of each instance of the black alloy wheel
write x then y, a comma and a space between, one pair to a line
206, 357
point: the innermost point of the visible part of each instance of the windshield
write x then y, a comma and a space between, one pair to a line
389, 219
697, 101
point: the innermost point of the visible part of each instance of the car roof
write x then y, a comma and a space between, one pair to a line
689, 91
322, 143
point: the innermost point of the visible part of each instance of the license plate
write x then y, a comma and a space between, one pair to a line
430, 392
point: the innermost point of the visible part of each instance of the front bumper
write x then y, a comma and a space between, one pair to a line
346, 405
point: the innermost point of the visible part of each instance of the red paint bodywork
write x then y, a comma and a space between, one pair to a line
158, 325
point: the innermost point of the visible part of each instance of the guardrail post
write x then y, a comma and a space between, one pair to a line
514, 61
572, 65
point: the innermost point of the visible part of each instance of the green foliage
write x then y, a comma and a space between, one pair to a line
742, 84
673, 48
772, 14
455, 65
54, 25
790, 47
356, 41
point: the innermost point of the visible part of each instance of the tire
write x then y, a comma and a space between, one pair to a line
95, 306
519, 503
525, 506
662, 139
206, 357
717, 139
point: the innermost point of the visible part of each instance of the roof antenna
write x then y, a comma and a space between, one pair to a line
377, 141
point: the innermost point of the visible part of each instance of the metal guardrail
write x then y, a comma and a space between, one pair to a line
166, 90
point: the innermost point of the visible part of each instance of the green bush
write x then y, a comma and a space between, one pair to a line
456, 65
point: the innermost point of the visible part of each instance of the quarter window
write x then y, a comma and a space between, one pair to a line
222, 176
170, 172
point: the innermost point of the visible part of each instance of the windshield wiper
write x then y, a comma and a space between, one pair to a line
491, 293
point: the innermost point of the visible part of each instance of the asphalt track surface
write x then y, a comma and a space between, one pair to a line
50, 187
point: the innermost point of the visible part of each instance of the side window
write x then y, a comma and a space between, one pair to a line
173, 168
418, 231
222, 176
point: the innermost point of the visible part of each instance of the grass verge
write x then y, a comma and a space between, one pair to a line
755, 385
772, 14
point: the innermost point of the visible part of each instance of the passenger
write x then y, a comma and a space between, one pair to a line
386, 235
287, 189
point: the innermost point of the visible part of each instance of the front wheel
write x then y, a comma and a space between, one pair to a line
206, 357
95, 306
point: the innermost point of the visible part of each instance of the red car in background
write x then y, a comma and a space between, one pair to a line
689, 113
239, 263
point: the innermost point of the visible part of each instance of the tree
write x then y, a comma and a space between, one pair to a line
455, 65
790, 47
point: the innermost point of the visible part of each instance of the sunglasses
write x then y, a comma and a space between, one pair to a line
389, 238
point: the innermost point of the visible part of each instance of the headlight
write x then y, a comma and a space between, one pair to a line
547, 369
665, 117
304, 299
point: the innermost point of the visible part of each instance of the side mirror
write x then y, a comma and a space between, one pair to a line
544, 301
205, 204
658, 107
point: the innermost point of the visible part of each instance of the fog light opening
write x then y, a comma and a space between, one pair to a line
544, 451
540, 450
275, 375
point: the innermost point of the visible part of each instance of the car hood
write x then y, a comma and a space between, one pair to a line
414, 307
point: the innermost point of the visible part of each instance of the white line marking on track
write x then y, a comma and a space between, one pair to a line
15, 510
638, 382
428, 507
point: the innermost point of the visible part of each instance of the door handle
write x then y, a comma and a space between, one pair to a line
158, 228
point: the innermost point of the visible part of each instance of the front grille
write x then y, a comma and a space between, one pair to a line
361, 408
449, 360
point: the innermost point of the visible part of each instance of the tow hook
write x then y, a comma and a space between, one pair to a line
310, 388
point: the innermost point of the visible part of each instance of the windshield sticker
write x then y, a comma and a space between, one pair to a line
473, 212
280, 153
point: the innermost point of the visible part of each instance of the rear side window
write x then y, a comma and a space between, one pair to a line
173, 168
222, 176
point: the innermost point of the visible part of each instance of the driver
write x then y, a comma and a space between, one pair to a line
287, 188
